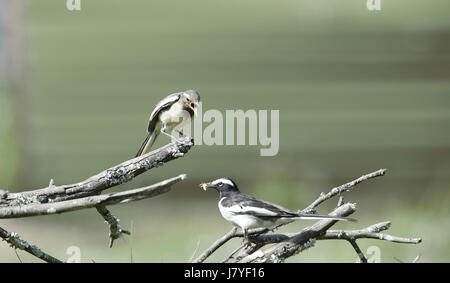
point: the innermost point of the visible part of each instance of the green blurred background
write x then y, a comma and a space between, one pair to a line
357, 91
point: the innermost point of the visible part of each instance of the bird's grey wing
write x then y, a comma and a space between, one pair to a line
162, 105
260, 208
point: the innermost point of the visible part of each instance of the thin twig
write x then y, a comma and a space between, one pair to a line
358, 251
17, 255
17, 243
343, 188
195, 251
131, 240
114, 228
371, 232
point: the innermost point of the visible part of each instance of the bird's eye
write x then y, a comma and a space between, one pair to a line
192, 105
220, 184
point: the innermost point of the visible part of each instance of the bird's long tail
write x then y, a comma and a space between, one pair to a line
149, 140
318, 216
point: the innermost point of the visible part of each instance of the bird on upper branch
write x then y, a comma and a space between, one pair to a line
171, 113
247, 212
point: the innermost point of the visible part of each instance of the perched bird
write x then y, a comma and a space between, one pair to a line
248, 212
170, 114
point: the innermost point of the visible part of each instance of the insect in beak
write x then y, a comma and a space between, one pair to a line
204, 186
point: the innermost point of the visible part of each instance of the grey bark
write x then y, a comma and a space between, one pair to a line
12, 204
35, 209
17, 243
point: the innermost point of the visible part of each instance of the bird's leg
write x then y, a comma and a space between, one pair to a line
245, 240
163, 130
180, 132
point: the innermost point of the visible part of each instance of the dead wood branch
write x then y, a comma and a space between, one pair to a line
17, 243
87, 194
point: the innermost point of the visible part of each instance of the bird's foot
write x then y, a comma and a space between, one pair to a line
246, 242
171, 137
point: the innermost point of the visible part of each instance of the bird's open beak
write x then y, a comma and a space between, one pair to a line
194, 107
205, 186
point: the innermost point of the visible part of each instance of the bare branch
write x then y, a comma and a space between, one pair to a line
94, 185
17, 243
86, 194
371, 232
343, 188
114, 228
89, 202
358, 251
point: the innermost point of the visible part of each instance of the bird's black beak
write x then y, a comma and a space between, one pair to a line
206, 186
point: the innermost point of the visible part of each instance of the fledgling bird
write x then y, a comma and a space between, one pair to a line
248, 212
170, 114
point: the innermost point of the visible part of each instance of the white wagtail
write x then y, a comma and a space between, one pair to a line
248, 212
170, 114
